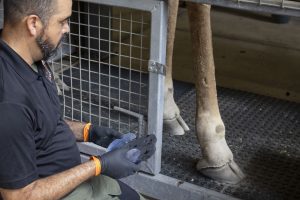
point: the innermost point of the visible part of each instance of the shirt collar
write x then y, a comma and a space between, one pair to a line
17, 63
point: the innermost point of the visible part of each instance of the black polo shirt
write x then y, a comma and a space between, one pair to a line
35, 141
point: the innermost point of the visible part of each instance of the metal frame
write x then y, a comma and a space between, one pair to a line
166, 188
156, 80
158, 12
281, 7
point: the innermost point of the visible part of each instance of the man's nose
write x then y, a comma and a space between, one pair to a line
66, 28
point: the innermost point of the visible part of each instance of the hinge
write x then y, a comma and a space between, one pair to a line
157, 68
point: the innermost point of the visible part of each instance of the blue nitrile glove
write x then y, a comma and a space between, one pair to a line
117, 143
102, 136
136, 154
133, 154
116, 164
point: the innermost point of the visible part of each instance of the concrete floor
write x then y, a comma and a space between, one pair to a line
251, 53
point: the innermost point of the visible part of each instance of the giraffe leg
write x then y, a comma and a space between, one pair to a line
173, 122
217, 159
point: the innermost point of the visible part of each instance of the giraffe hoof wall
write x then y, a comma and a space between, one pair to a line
229, 173
175, 126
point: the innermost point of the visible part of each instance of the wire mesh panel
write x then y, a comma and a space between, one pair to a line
102, 69
104, 65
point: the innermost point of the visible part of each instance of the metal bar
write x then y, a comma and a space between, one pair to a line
167, 188
271, 6
89, 66
80, 87
89, 149
140, 61
290, 8
140, 118
144, 5
109, 69
156, 82
130, 83
99, 65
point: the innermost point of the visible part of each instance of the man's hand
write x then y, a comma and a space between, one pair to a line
102, 136
116, 163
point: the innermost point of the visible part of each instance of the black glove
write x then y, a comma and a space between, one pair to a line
103, 136
145, 145
116, 163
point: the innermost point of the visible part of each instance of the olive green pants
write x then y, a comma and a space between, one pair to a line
97, 188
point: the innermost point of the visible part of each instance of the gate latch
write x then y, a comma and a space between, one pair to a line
157, 68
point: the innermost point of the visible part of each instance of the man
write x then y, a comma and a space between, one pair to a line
39, 158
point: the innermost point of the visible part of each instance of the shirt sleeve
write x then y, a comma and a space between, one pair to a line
17, 147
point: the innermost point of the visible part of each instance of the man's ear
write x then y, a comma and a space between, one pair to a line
34, 25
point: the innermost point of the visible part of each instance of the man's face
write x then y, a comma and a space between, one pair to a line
53, 34
48, 48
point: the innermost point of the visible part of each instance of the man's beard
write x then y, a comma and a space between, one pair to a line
48, 49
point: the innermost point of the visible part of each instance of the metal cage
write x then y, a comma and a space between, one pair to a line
110, 68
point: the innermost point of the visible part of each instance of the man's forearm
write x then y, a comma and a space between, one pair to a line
53, 187
77, 128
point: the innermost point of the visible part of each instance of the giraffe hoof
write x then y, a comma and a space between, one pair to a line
175, 126
228, 173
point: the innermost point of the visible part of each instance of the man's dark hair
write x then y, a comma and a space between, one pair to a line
15, 10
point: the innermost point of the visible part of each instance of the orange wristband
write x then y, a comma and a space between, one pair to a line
86, 129
98, 165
